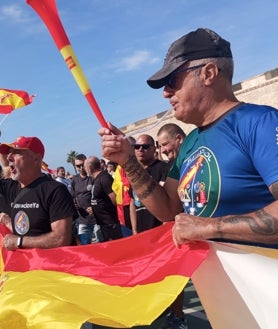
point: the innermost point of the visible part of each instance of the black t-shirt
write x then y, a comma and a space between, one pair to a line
45, 202
145, 220
159, 171
105, 211
8, 191
81, 191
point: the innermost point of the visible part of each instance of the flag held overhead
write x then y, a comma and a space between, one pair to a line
13, 99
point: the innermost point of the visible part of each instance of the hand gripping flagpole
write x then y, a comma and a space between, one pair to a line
48, 12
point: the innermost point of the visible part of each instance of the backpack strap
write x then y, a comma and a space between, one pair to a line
20, 195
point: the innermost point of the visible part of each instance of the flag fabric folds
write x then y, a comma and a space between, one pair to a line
13, 99
131, 281
120, 283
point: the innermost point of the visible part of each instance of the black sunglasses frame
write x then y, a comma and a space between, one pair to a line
171, 83
143, 146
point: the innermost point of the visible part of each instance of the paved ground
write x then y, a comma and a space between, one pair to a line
193, 310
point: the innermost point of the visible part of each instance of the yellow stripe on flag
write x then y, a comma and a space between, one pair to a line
13, 99
121, 283
34, 299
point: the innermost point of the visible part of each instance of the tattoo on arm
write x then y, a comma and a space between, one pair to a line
274, 190
139, 177
151, 186
262, 223
219, 231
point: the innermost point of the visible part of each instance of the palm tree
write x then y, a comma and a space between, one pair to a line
71, 156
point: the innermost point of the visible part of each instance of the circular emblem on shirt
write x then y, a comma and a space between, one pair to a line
199, 185
21, 222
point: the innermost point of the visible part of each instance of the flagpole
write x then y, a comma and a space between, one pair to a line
48, 12
5, 117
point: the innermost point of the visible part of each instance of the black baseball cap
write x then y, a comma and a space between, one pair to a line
202, 43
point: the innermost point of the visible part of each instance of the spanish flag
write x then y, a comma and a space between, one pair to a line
121, 283
13, 99
45, 167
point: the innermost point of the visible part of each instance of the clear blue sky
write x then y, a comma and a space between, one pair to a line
119, 44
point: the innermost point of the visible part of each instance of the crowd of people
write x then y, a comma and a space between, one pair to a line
95, 205
103, 204
218, 183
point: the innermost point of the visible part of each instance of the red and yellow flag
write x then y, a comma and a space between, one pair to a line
45, 167
120, 283
13, 99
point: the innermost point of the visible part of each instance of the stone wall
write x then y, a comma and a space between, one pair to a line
261, 89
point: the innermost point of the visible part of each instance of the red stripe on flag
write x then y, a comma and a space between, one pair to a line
6, 109
140, 259
13, 99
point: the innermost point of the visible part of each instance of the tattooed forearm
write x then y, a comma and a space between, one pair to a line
219, 230
130, 164
135, 171
139, 177
264, 223
261, 223
148, 190
132, 167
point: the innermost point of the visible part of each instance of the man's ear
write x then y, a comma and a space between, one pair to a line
210, 72
179, 138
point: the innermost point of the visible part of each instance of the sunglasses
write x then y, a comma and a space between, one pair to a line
80, 165
172, 80
143, 146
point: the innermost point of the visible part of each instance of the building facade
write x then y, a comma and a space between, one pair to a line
261, 89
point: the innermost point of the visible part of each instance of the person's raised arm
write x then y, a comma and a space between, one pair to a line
162, 202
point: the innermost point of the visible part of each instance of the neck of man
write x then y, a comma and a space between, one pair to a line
96, 173
219, 111
147, 163
28, 180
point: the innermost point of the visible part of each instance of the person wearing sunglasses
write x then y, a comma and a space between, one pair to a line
224, 182
81, 187
145, 151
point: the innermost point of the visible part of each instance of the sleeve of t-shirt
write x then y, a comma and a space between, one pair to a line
106, 183
263, 146
61, 203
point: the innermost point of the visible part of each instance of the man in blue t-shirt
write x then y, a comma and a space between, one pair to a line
224, 182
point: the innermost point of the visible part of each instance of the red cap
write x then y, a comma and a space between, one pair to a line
24, 143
